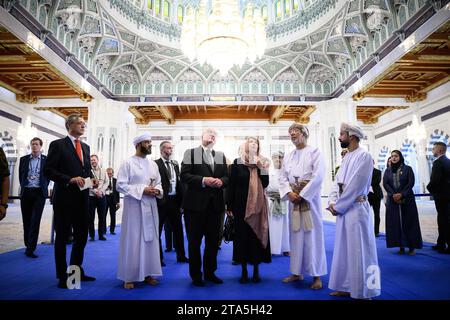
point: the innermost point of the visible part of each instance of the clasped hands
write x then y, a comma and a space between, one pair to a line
294, 197
332, 209
151, 191
397, 197
212, 182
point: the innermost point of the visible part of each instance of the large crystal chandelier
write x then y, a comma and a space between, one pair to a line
221, 37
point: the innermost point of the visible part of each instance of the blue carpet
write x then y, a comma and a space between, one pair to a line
424, 276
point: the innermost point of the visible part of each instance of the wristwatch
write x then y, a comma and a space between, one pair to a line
5, 205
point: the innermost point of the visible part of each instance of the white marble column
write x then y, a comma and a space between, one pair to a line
325, 122
421, 146
111, 129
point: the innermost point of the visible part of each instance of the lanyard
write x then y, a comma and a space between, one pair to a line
36, 170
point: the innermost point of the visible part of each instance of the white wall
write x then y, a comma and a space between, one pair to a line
45, 119
437, 99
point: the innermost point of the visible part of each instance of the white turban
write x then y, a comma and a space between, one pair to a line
279, 154
143, 137
353, 130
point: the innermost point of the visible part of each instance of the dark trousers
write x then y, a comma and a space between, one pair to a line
203, 224
73, 215
100, 205
111, 208
376, 203
32, 205
221, 226
443, 221
186, 224
170, 211
168, 235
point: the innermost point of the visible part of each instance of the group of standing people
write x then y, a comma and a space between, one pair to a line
205, 174
158, 191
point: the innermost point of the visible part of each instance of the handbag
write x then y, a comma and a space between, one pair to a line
228, 229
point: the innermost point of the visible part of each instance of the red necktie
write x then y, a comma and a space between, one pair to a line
78, 149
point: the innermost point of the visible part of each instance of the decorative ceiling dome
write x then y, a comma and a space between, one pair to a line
321, 44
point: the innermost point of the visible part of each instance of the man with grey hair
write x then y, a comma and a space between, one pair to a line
169, 205
68, 165
301, 182
204, 172
354, 270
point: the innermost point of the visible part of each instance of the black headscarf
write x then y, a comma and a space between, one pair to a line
401, 162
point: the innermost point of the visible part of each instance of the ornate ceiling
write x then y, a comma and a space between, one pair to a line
424, 68
29, 76
371, 114
66, 111
136, 56
145, 114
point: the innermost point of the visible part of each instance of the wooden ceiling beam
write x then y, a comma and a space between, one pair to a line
277, 113
304, 118
167, 114
20, 63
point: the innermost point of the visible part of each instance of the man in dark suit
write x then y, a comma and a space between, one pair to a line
204, 171
169, 205
68, 165
112, 200
439, 187
375, 195
33, 193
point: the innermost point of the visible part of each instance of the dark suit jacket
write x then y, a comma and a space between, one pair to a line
376, 180
62, 165
165, 182
439, 185
193, 170
24, 166
115, 194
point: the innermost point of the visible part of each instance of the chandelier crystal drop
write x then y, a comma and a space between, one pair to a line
220, 37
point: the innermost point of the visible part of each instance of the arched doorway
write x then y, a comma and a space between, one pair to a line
409, 152
382, 158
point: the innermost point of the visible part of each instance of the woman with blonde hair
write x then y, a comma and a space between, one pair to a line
247, 202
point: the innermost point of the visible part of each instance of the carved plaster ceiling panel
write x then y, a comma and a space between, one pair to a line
118, 54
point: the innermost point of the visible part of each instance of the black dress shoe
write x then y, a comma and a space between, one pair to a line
198, 282
438, 247
102, 238
243, 279
256, 279
168, 250
163, 264
213, 278
183, 260
445, 251
30, 254
62, 283
87, 278
112, 232
91, 239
